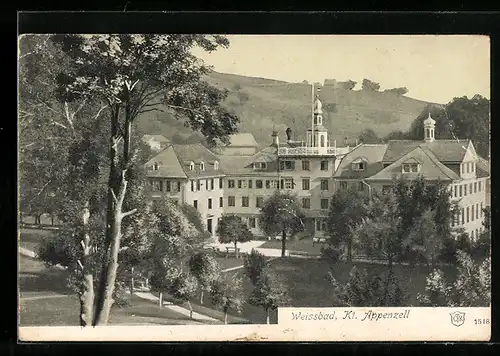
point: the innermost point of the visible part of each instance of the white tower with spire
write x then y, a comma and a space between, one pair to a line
317, 135
429, 129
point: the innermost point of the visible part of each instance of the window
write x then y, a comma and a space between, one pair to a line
477, 211
220, 183
482, 209
245, 202
240, 184
250, 183
268, 184
167, 186
475, 187
221, 202
463, 215
207, 184
202, 166
472, 213
211, 184
479, 183
198, 185
306, 203
287, 165
460, 190
210, 203
179, 186
306, 184
231, 201
259, 202
358, 166
157, 185
470, 188
320, 225
324, 204
230, 183
306, 166
216, 165
322, 141
192, 185
462, 167
467, 215
260, 165
472, 235
191, 166
324, 184
456, 191
155, 166
289, 183
271, 184
465, 189
324, 165
343, 185
195, 204
258, 184
251, 223
410, 168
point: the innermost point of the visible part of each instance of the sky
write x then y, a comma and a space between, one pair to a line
433, 68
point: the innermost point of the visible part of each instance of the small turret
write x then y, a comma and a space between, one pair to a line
275, 138
429, 129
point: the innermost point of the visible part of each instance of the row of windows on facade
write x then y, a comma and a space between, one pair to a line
259, 202
320, 223
160, 185
289, 165
285, 183
201, 166
468, 214
458, 191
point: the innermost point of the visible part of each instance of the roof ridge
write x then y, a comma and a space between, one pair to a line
428, 152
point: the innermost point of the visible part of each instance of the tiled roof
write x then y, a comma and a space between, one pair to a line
242, 139
158, 138
482, 168
168, 165
243, 164
371, 153
431, 168
444, 150
174, 161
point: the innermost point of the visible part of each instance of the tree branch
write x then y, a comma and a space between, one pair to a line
114, 195
133, 211
152, 109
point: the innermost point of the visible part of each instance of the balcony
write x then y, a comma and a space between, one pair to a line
307, 151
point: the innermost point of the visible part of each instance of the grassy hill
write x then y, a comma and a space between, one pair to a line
263, 104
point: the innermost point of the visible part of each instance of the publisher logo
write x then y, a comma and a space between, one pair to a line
457, 318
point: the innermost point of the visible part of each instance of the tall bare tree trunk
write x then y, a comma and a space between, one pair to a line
160, 299
190, 309
267, 316
283, 244
236, 249
132, 280
225, 317
201, 296
86, 294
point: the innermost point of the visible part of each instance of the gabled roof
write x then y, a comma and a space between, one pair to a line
174, 162
243, 165
373, 154
431, 168
242, 140
445, 150
157, 138
482, 168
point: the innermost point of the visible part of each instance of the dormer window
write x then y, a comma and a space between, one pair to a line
191, 166
156, 166
411, 168
358, 165
260, 165
202, 166
216, 165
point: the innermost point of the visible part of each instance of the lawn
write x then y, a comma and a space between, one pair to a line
30, 238
304, 245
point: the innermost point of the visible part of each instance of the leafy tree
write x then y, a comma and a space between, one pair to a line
133, 74
369, 85
347, 209
183, 288
369, 290
487, 218
368, 136
281, 213
461, 118
269, 293
348, 85
227, 294
471, 287
396, 135
232, 229
254, 263
379, 234
205, 268
424, 239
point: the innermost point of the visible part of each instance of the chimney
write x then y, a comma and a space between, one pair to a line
275, 138
288, 134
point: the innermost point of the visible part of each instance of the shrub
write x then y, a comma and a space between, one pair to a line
330, 254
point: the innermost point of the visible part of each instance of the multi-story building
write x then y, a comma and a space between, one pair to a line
189, 174
241, 144
453, 162
155, 142
304, 168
